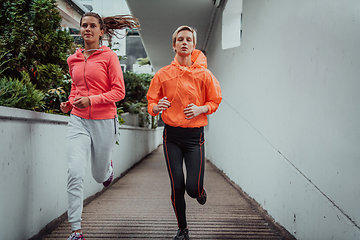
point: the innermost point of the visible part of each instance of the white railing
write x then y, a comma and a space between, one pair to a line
33, 168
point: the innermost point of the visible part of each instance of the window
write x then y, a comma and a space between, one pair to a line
75, 33
231, 24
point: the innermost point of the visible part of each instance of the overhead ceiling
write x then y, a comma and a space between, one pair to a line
160, 18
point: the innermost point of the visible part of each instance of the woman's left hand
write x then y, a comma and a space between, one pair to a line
81, 102
192, 110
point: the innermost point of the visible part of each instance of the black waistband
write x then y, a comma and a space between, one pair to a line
184, 130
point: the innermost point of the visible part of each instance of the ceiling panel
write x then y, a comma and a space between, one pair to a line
160, 18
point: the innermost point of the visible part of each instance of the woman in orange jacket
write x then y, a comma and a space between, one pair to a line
92, 130
185, 92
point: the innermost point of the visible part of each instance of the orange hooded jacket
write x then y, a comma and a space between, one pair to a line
100, 78
182, 86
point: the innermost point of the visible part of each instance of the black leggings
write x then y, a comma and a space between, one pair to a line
184, 144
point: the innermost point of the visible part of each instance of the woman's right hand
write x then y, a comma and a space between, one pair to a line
162, 105
65, 107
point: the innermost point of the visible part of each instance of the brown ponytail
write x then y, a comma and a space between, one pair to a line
119, 22
111, 24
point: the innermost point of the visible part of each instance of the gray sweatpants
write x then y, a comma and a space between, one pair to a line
86, 139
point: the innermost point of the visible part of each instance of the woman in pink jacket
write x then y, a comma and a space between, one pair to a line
97, 84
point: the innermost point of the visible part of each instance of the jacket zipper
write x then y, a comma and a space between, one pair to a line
87, 87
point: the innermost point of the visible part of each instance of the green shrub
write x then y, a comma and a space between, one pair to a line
32, 41
46, 75
136, 86
20, 93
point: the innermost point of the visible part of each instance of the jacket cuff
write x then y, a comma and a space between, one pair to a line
150, 109
212, 108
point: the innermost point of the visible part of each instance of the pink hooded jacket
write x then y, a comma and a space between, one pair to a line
100, 78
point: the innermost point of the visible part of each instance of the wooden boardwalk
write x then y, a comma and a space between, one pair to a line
137, 206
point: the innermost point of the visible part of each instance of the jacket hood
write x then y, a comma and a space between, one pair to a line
101, 49
197, 57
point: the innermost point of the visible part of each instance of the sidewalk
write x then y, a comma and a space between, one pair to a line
138, 206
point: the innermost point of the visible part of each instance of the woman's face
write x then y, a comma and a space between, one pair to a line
90, 29
184, 44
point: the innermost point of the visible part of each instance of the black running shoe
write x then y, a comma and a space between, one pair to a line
109, 180
202, 198
182, 234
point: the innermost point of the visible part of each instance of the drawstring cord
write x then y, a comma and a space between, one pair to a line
94, 49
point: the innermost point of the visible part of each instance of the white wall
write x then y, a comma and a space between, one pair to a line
33, 168
288, 129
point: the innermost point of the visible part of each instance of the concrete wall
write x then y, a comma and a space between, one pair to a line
33, 168
288, 129
134, 120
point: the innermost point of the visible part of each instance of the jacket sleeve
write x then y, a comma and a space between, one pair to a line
117, 91
213, 93
154, 94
